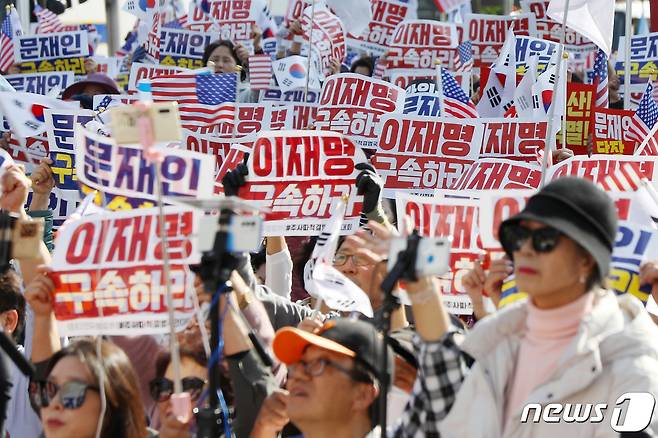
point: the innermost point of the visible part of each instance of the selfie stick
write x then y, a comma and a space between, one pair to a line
404, 268
180, 401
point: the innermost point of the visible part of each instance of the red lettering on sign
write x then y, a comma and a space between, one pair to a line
82, 240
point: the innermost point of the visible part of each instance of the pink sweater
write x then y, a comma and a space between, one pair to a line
549, 332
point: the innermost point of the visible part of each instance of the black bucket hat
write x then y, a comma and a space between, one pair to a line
581, 211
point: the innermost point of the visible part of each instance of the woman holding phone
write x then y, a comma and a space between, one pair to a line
572, 344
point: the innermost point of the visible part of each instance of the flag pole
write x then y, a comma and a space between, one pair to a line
308, 53
548, 146
439, 85
627, 54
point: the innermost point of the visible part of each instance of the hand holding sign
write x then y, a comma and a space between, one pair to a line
15, 186
39, 293
649, 275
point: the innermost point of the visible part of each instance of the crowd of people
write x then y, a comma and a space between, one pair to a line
572, 343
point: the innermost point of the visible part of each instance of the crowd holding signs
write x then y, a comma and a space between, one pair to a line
338, 113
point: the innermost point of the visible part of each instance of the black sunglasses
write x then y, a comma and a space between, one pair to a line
513, 236
162, 388
71, 394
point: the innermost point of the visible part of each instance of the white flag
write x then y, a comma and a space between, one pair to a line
290, 73
593, 19
523, 100
355, 14
24, 111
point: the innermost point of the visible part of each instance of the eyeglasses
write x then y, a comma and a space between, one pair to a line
340, 259
316, 367
162, 388
71, 394
513, 236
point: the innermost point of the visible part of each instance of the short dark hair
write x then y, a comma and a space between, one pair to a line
11, 298
365, 61
231, 47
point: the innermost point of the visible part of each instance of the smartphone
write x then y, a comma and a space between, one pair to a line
163, 115
432, 256
244, 233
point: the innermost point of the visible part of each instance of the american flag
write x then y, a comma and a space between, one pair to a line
203, 99
260, 71
645, 117
651, 148
456, 103
464, 57
7, 33
128, 44
48, 21
601, 79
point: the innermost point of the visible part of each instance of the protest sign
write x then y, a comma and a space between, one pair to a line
303, 115
233, 19
125, 301
108, 65
597, 167
418, 78
422, 99
450, 5
123, 170
527, 47
115, 202
207, 144
60, 127
442, 217
643, 59
63, 169
300, 176
353, 104
184, 48
580, 102
611, 132
420, 154
128, 238
515, 139
575, 44
139, 71
276, 94
386, 15
109, 266
419, 44
62, 51
28, 151
328, 36
487, 33
490, 173
41, 83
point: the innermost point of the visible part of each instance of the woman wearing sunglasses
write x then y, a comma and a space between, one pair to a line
70, 398
571, 343
194, 374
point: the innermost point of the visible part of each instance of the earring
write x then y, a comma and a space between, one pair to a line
582, 278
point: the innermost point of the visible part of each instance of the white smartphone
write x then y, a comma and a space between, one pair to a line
432, 256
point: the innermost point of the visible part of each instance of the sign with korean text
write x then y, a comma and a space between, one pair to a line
643, 60
597, 167
41, 83
328, 35
418, 155
442, 217
123, 170
580, 103
496, 173
232, 19
419, 44
139, 71
110, 266
353, 104
183, 48
386, 15
62, 51
275, 94
611, 132
60, 127
487, 33
300, 176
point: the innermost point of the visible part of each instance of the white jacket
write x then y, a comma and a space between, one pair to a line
614, 352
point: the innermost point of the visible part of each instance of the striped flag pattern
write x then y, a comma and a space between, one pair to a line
463, 61
380, 69
601, 79
203, 99
48, 21
457, 104
645, 116
7, 43
260, 71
